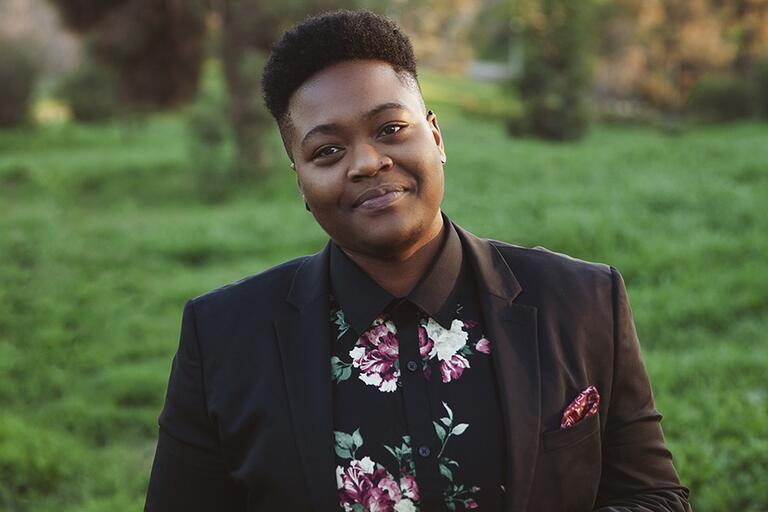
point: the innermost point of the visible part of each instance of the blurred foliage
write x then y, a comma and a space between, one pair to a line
155, 48
761, 86
722, 98
248, 28
91, 92
493, 34
83, 15
440, 30
34, 462
650, 56
656, 50
481, 100
210, 139
18, 72
557, 42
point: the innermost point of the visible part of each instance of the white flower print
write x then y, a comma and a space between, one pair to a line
447, 341
405, 505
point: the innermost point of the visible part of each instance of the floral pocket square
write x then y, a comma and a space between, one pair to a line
583, 406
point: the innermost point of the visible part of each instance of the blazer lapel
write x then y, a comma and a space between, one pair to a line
304, 341
511, 328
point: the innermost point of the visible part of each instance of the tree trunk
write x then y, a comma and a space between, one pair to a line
243, 64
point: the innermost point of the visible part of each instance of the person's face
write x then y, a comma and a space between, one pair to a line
367, 158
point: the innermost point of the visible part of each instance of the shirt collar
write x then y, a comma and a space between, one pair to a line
362, 299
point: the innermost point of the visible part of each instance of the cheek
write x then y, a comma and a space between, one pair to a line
324, 201
432, 181
320, 192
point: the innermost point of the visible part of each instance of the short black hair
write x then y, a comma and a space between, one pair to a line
327, 39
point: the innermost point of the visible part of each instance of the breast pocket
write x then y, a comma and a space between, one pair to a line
565, 437
568, 468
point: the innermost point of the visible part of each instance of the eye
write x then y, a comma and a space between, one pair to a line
392, 129
326, 151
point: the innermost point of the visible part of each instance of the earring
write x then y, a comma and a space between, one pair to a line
442, 160
293, 166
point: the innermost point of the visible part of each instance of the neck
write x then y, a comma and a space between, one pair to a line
399, 274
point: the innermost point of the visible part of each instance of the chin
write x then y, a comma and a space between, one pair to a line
391, 240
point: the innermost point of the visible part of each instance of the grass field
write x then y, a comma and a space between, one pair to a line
104, 234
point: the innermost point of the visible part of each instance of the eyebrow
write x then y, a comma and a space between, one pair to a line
333, 127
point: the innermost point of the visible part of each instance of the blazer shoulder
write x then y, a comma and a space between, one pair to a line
260, 290
541, 268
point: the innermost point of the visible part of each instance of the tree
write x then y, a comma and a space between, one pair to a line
18, 72
248, 30
156, 47
657, 50
557, 43
439, 29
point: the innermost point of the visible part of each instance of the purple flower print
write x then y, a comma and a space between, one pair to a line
483, 345
369, 484
376, 355
409, 488
453, 368
355, 482
425, 343
376, 351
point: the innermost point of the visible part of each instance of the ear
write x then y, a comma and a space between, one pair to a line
436, 135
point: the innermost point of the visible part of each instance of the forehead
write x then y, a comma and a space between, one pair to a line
346, 91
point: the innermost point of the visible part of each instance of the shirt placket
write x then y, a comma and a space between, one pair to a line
416, 400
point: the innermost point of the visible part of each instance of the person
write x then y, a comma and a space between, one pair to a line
409, 365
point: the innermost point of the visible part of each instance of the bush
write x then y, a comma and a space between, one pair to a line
210, 145
18, 74
721, 98
761, 88
557, 41
91, 93
34, 461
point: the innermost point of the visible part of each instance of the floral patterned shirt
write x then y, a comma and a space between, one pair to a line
417, 416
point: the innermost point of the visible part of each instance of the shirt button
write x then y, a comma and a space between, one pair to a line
424, 451
412, 365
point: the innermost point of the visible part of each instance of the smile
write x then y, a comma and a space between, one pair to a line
379, 197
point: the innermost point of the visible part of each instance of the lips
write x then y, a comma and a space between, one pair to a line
377, 197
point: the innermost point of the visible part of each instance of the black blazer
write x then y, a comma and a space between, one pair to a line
247, 422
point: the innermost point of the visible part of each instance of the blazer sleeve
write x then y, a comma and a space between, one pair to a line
637, 472
188, 473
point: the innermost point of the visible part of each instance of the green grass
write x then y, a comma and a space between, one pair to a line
104, 234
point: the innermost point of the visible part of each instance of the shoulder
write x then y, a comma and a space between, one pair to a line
541, 259
256, 292
542, 272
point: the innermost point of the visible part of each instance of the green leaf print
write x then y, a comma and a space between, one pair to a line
395, 453
459, 429
446, 472
440, 430
343, 453
342, 326
449, 411
455, 494
357, 439
340, 371
346, 444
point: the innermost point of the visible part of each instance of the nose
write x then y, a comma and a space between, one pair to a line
367, 161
